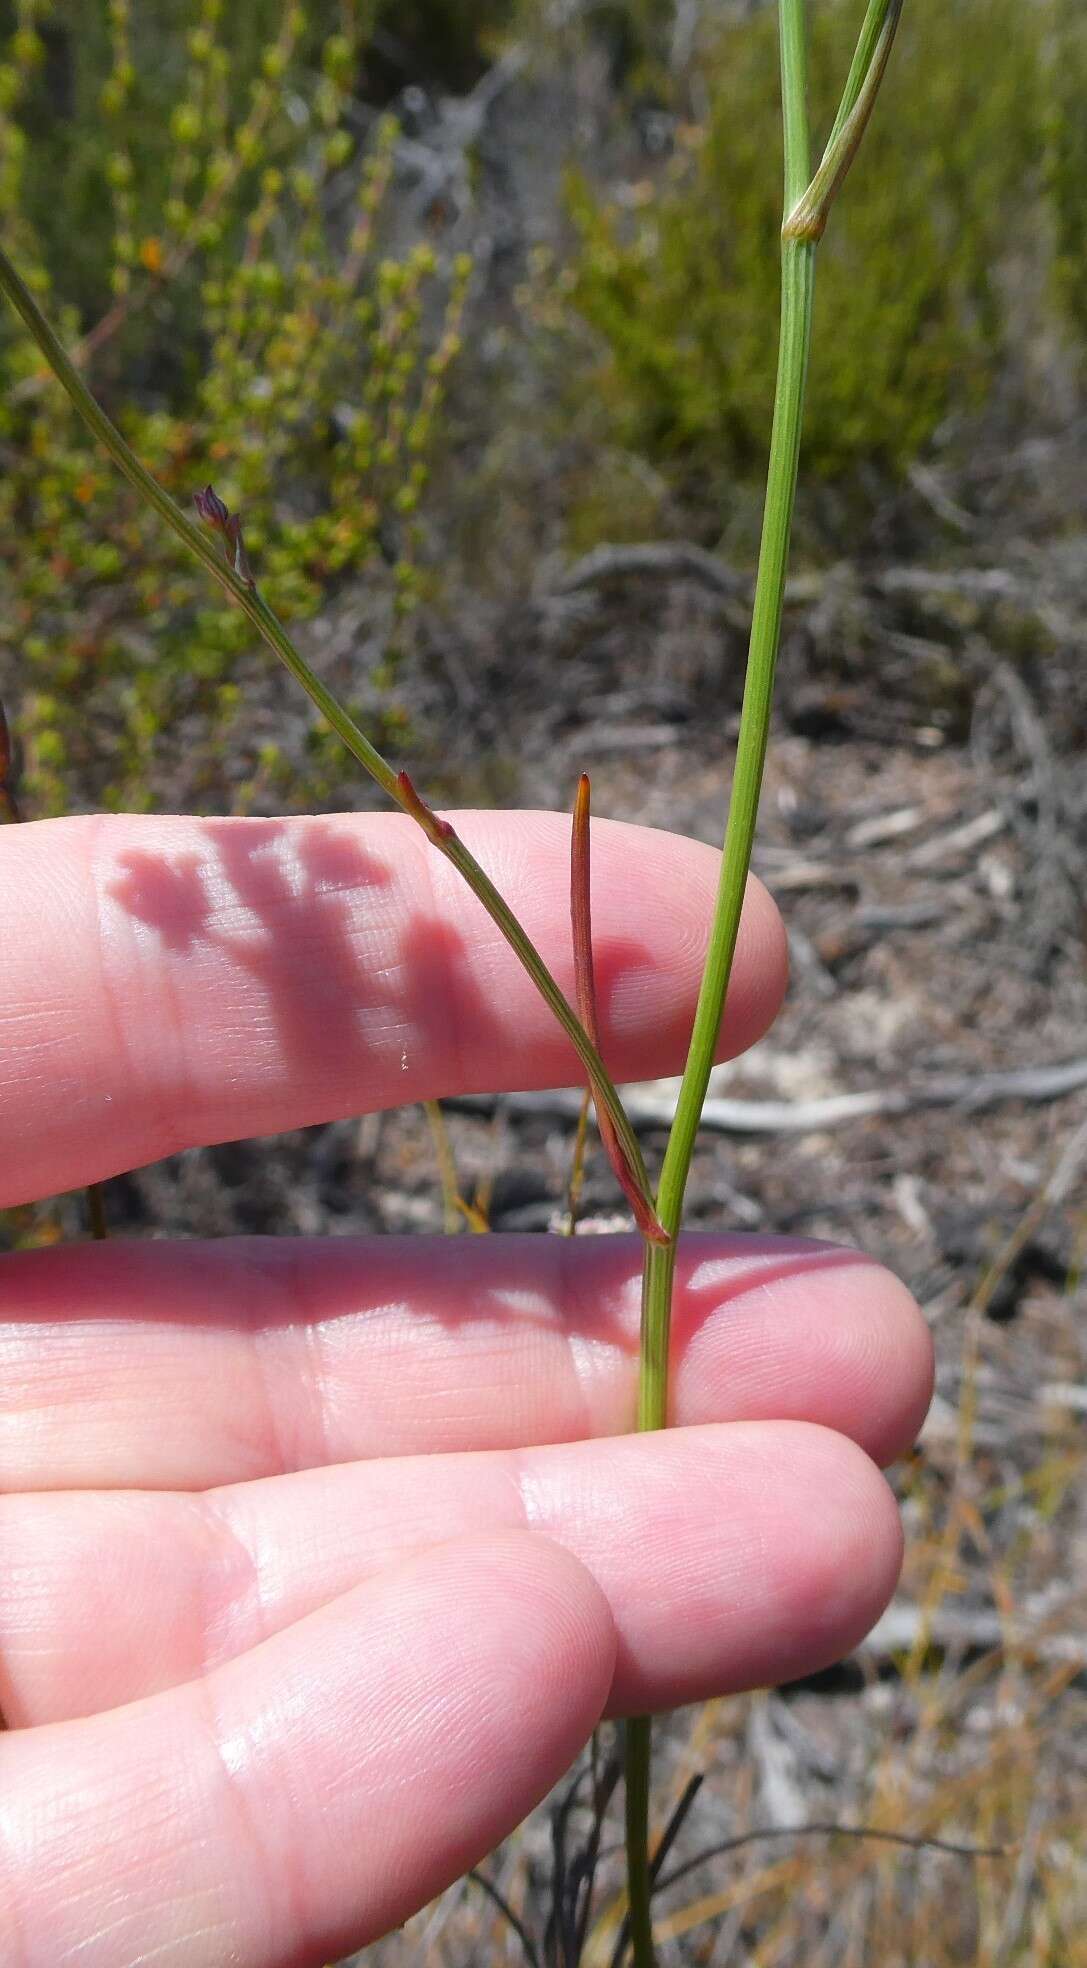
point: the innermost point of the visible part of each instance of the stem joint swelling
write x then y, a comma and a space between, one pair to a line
437, 831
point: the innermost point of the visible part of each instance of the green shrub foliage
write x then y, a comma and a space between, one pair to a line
200, 197
1067, 156
911, 322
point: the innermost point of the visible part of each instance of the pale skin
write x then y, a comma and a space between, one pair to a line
320, 1561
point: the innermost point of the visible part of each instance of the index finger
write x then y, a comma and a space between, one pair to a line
166, 983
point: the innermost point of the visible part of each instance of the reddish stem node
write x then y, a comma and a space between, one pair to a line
435, 828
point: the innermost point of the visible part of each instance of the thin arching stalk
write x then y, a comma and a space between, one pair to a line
453, 1203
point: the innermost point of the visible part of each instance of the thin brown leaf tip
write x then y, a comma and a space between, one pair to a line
221, 520
580, 911
628, 1178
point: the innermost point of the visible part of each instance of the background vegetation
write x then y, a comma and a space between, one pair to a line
221, 209
203, 202
970, 178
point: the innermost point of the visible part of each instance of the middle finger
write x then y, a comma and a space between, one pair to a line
191, 1365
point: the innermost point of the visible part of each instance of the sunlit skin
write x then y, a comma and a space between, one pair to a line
320, 1561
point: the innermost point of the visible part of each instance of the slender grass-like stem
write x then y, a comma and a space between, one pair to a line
234, 576
806, 205
577, 1165
797, 277
879, 14
453, 1204
808, 217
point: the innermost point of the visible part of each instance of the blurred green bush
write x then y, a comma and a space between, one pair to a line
1066, 155
974, 168
200, 198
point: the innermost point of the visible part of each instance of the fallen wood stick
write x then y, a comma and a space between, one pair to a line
903, 1627
662, 557
653, 1109
670, 558
962, 839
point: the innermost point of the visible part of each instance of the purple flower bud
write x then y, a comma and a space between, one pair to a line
211, 508
217, 515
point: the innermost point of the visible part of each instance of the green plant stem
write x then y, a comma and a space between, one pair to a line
637, 1746
798, 267
806, 206
864, 56
397, 787
797, 282
807, 218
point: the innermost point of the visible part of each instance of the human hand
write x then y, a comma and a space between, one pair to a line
320, 1561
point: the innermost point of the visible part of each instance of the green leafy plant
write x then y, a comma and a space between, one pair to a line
911, 315
220, 546
234, 288
1066, 155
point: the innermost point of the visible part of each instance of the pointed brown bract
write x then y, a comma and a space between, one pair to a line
640, 1202
435, 828
580, 912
